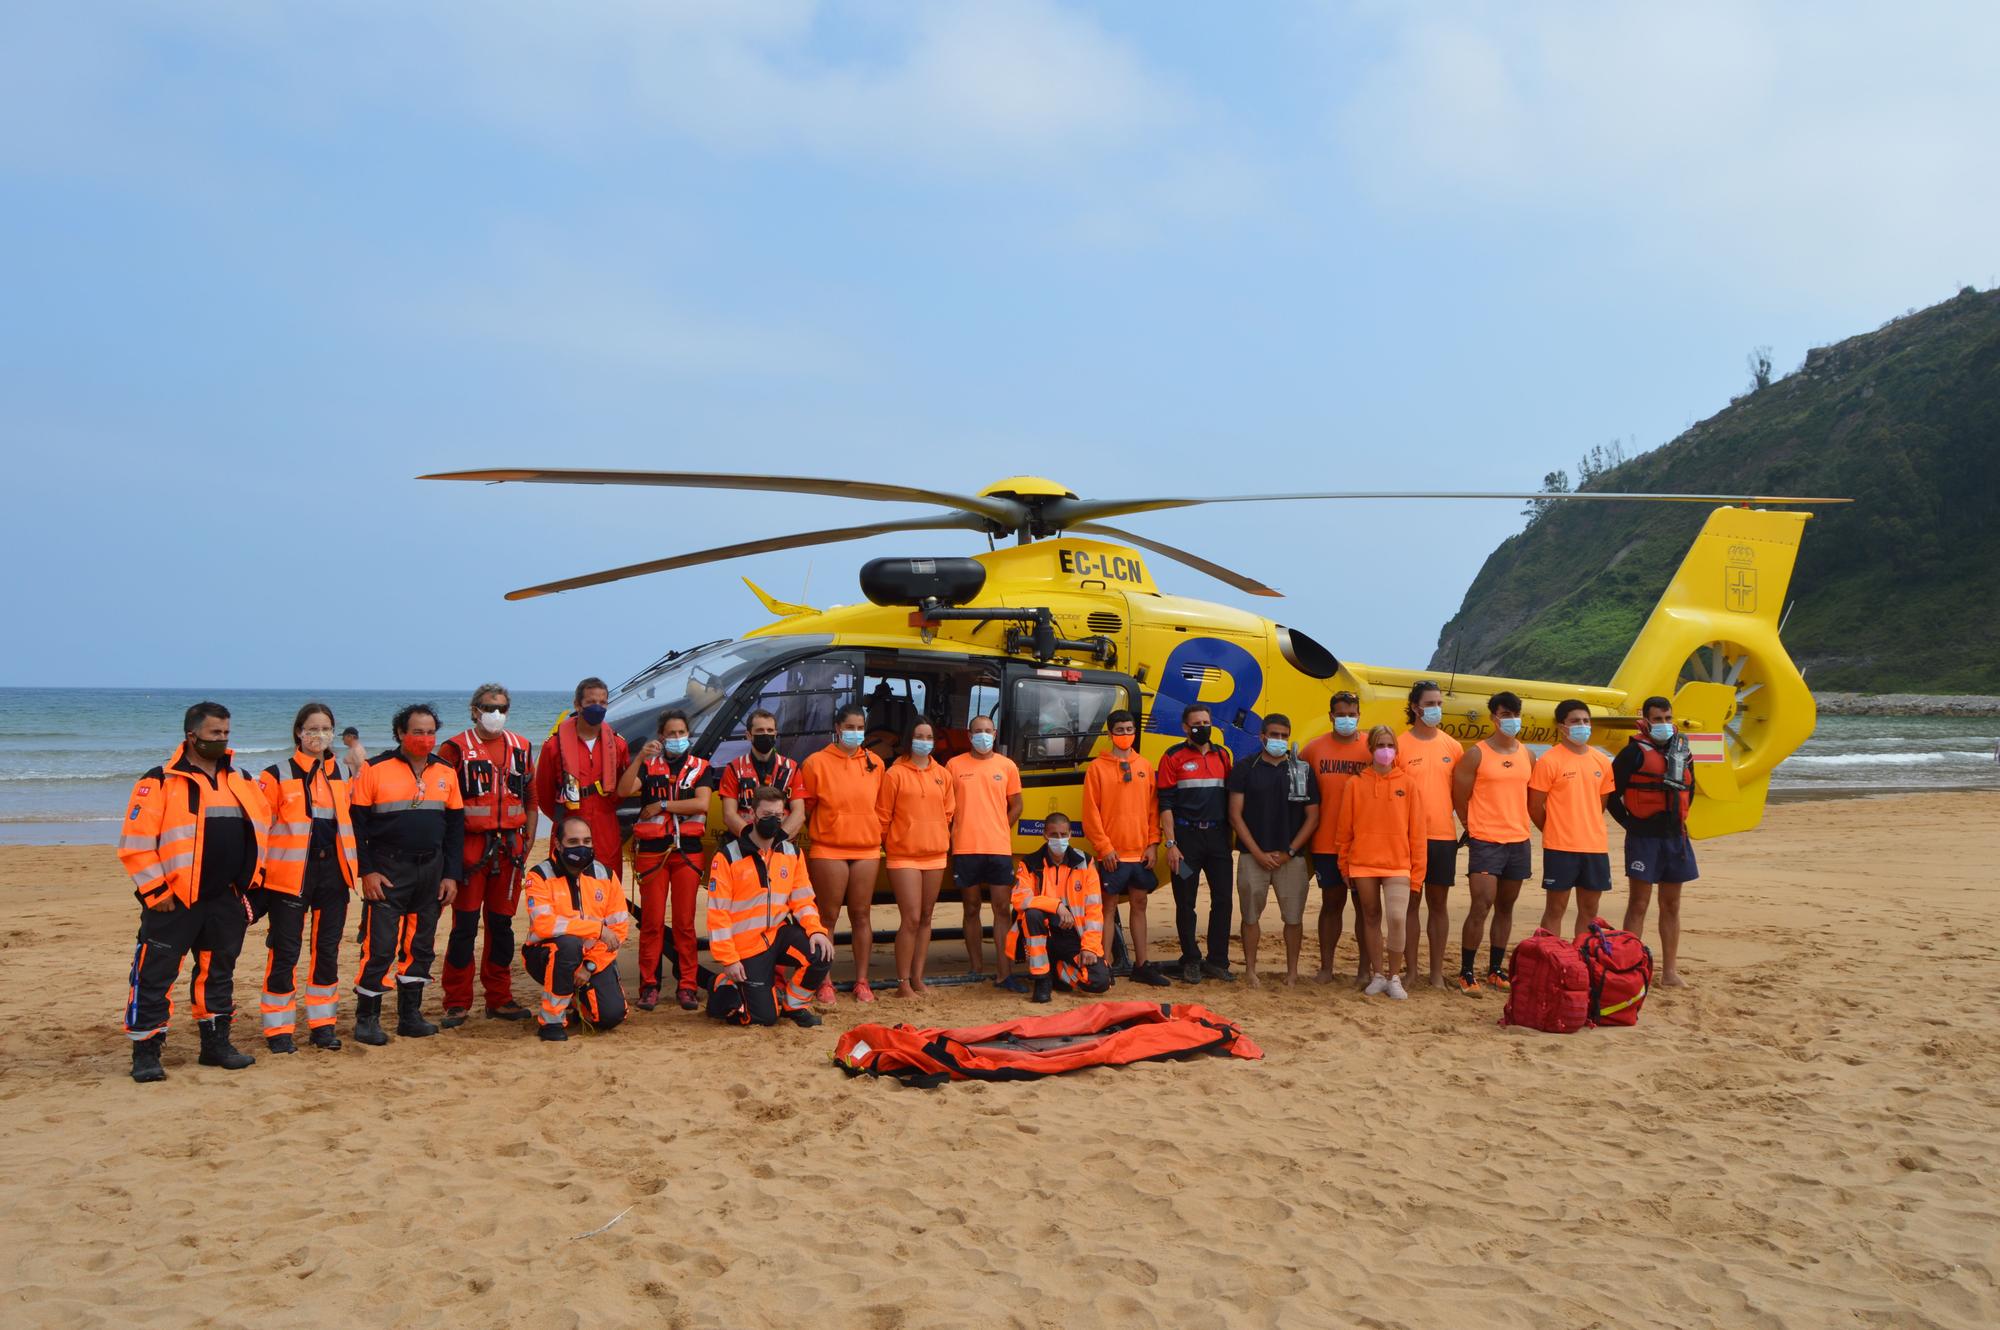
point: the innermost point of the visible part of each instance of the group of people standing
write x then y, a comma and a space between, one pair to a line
428, 825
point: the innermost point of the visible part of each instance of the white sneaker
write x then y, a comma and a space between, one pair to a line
1376, 986
1396, 992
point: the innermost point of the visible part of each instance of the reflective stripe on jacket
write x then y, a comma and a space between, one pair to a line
752, 894
299, 792
587, 907
1072, 881
494, 800
160, 840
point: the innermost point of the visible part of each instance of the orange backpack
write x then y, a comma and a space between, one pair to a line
1101, 1034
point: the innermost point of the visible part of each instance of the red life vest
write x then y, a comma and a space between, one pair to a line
783, 771
574, 761
658, 783
1664, 781
493, 801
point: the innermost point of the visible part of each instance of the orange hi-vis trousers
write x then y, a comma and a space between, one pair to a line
553, 965
323, 896
783, 973
674, 876
1044, 939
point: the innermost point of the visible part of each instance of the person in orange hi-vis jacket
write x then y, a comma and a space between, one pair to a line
1058, 910
764, 929
578, 920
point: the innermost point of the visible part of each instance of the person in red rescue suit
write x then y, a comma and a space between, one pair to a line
673, 786
577, 922
496, 774
193, 841
409, 826
579, 768
741, 777
310, 866
1059, 915
764, 929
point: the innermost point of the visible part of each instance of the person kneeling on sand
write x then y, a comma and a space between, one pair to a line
764, 928
1059, 915
577, 920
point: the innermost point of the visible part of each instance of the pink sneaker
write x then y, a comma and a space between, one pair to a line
825, 995
862, 992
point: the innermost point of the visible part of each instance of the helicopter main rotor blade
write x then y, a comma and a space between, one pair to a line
1068, 512
1004, 512
1215, 570
942, 522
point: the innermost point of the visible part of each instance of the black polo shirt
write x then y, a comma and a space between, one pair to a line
1272, 815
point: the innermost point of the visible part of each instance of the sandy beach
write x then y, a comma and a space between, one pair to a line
1806, 1137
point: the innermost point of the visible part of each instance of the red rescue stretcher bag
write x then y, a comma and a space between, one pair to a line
1621, 973
1101, 1034
1549, 986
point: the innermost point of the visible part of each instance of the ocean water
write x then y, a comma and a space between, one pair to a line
68, 756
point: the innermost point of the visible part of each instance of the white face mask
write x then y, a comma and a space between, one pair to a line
314, 742
1058, 846
491, 722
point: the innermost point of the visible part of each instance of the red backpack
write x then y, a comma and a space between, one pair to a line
1549, 986
1621, 972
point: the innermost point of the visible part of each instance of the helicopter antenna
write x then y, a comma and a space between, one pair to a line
805, 591
1785, 618
1452, 686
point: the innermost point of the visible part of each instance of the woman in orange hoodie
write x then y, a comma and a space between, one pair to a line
1381, 838
916, 805
839, 785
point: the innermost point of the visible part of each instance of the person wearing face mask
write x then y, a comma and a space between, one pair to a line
1381, 836
578, 771
1566, 796
1194, 827
1653, 785
496, 774
1121, 815
310, 866
1491, 793
673, 786
577, 922
841, 785
1334, 758
1058, 911
764, 929
1274, 809
1432, 756
987, 796
193, 841
760, 768
409, 830
915, 806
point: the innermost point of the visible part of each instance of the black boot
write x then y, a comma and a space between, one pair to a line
368, 1020
805, 1018
323, 1036
550, 1032
410, 1012
1044, 985
146, 1059
217, 1051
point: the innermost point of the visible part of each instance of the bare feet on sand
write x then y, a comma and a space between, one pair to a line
1671, 980
1250, 978
1323, 977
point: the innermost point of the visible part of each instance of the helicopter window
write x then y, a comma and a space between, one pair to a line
699, 682
803, 696
1055, 722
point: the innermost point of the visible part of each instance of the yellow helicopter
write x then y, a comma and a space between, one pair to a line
1052, 634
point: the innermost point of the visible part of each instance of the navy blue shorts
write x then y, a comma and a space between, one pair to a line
1503, 859
1441, 863
972, 871
1137, 876
1326, 867
1659, 859
1563, 870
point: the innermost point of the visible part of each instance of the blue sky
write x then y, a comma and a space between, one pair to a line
261, 265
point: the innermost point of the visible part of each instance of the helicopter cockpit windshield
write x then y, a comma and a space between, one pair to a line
699, 682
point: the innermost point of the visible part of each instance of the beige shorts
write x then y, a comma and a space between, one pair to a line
1254, 884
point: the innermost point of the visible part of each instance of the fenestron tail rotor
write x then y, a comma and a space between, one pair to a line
1026, 507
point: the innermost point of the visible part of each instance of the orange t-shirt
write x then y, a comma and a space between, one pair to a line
1121, 805
1333, 760
839, 790
1498, 809
915, 807
985, 784
1433, 761
1576, 784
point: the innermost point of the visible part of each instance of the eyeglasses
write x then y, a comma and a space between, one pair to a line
315, 734
490, 707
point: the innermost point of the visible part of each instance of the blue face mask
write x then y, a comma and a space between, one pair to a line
676, 745
1510, 725
1661, 731
922, 747
982, 742
1432, 714
1579, 734
1345, 726
852, 738
1277, 747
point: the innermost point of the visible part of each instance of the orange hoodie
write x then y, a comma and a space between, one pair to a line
1381, 831
1121, 805
840, 789
915, 808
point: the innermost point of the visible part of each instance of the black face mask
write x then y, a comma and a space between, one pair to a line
1201, 734
212, 749
763, 745
577, 858
770, 826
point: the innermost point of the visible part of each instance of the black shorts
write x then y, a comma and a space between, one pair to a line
1441, 863
1504, 859
1136, 876
1658, 859
972, 871
1326, 867
1564, 869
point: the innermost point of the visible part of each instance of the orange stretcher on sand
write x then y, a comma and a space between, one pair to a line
1102, 1034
